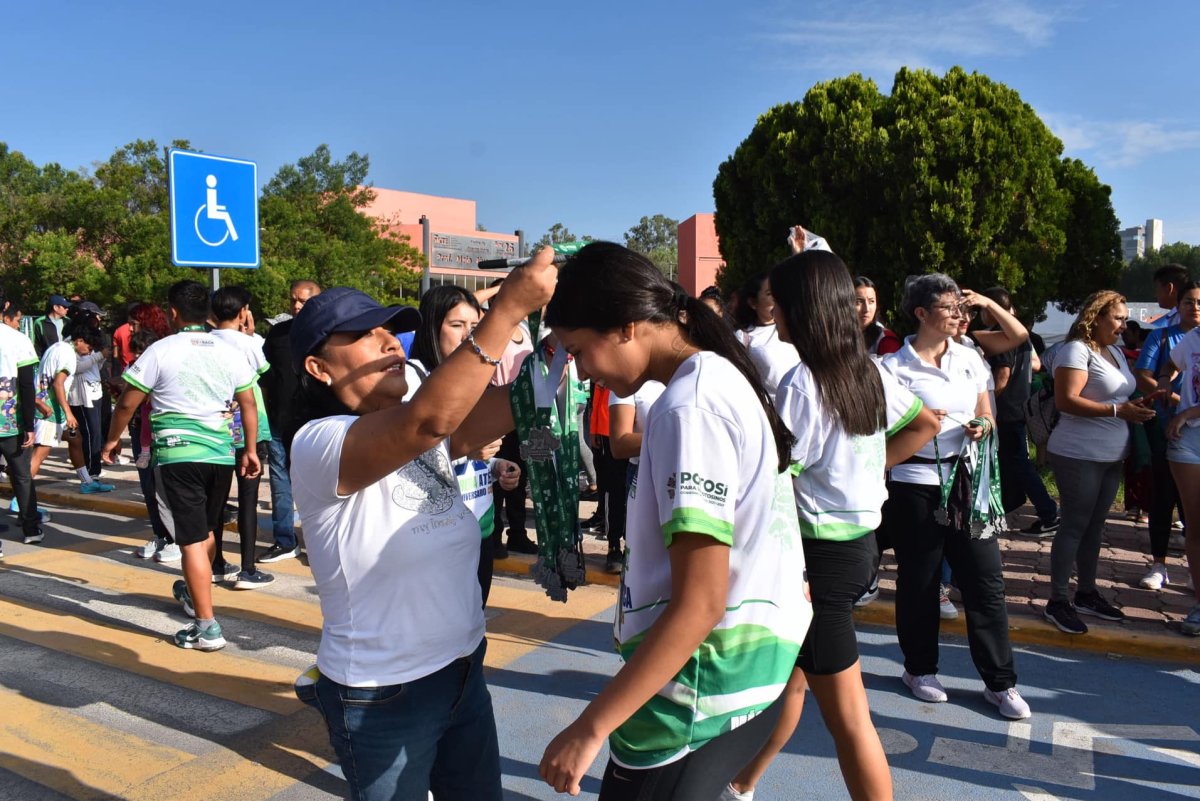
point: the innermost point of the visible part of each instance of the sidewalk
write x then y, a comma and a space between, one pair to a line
1149, 632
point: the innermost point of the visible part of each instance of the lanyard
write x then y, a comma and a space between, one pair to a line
550, 449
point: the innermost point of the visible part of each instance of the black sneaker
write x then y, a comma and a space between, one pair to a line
225, 571
252, 581
33, 539
1041, 528
1062, 614
1092, 603
521, 545
499, 550
277, 553
614, 561
592, 524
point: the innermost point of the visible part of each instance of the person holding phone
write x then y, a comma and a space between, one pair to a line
1092, 385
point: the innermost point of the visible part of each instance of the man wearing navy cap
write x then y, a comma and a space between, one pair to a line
48, 329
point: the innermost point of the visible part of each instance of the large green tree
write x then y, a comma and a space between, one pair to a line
657, 238
951, 173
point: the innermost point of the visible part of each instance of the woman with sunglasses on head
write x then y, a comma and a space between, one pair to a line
712, 600
852, 420
391, 545
1092, 385
930, 505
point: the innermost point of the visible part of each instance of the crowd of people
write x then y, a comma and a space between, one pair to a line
751, 458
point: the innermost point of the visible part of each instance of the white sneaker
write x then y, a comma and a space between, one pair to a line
730, 794
1010, 703
1156, 579
150, 549
926, 688
946, 609
168, 553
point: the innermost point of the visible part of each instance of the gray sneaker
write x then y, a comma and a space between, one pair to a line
169, 553
150, 549
1190, 625
252, 581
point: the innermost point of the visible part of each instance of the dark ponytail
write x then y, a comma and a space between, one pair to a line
606, 286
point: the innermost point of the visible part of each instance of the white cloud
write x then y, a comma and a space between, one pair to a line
1119, 143
877, 39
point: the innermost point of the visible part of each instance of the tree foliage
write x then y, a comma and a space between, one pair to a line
657, 238
557, 235
951, 173
106, 234
1137, 279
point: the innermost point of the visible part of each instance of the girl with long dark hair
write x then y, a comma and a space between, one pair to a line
880, 341
712, 600
756, 330
851, 422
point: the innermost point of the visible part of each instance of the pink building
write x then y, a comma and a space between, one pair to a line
454, 245
699, 253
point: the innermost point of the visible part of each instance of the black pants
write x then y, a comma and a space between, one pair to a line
513, 500
1164, 497
92, 435
920, 545
21, 478
247, 516
701, 775
610, 478
485, 565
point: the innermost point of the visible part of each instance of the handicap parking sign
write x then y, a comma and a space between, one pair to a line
214, 210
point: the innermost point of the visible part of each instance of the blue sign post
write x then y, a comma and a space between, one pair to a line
214, 211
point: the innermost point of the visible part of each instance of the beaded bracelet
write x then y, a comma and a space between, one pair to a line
478, 350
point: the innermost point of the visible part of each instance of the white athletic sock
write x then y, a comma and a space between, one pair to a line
84, 475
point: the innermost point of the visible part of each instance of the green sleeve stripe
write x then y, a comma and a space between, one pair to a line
795, 468
907, 418
136, 384
247, 386
696, 521
264, 369
28, 362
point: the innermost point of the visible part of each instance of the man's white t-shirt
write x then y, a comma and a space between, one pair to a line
838, 478
16, 351
395, 563
251, 348
191, 377
954, 387
641, 401
1093, 439
709, 466
772, 356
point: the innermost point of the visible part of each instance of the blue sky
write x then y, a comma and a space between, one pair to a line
589, 114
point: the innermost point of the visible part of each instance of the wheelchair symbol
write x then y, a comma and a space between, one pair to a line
213, 211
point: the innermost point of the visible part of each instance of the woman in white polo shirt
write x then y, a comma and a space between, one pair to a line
928, 507
391, 545
712, 608
1092, 385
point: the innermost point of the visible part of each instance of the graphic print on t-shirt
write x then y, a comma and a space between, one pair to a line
427, 484
8, 405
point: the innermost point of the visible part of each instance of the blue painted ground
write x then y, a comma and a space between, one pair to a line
1102, 728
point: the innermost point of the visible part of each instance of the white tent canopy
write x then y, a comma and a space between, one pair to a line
1054, 328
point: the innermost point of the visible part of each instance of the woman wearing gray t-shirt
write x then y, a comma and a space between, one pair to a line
1092, 385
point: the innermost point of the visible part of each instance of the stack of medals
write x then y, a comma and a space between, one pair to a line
550, 448
985, 519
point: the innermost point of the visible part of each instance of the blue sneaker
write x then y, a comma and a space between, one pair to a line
95, 487
13, 506
1191, 624
209, 639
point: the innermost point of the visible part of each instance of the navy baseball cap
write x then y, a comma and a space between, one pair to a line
59, 300
342, 309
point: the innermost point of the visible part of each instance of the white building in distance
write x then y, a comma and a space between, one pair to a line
1141, 239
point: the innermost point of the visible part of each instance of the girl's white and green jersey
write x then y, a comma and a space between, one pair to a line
837, 478
58, 358
475, 486
191, 377
709, 466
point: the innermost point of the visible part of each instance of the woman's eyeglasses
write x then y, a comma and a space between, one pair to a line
953, 309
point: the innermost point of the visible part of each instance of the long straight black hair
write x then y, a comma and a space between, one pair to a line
815, 296
435, 305
606, 286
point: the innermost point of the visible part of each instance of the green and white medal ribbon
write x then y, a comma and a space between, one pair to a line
550, 448
987, 509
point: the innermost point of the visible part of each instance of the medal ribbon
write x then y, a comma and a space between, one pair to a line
550, 448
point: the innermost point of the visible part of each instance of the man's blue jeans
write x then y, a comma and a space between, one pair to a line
397, 743
283, 519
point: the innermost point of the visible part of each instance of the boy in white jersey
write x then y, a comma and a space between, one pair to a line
191, 379
18, 363
231, 312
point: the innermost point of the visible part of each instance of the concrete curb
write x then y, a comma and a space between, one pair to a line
1023, 630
